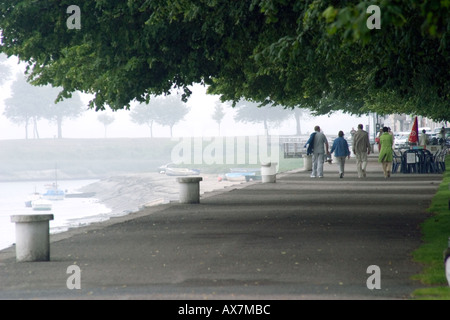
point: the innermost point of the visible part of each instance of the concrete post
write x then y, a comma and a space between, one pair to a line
32, 237
307, 162
189, 189
269, 172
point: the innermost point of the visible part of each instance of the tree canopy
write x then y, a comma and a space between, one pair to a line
106, 120
312, 54
248, 112
218, 114
167, 111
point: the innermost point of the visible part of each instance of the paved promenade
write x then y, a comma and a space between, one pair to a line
299, 238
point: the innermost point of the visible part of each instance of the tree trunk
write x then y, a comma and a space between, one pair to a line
26, 129
35, 129
266, 128
298, 126
59, 123
150, 125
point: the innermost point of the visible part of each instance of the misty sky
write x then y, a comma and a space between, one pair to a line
197, 123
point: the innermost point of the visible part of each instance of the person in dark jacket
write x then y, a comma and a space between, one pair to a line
310, 144
341, 151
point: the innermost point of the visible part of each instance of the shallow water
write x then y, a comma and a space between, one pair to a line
68, 213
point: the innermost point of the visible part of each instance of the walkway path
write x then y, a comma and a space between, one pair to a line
299, 238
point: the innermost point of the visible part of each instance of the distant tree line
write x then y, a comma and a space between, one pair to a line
166, 111
29, 104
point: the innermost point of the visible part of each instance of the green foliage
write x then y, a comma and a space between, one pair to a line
436, 293
315, 54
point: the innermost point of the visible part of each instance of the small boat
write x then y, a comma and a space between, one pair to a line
240, 176
170, 170
255, 170
41, 204
243, 174
181, 172
31, 198
54, 194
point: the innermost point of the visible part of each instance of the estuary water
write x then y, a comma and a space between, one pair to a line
68, 213
114, 196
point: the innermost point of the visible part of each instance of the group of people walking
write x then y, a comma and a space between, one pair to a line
318, 147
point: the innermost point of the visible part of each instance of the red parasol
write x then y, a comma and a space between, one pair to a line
414, 135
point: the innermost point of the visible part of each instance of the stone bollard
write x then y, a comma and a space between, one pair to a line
307, 162
32, 237
189, 189
269, 172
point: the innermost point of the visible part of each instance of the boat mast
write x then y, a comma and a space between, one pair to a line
56, 176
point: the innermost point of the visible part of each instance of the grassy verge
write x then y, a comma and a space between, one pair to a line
436, 232
80, 158
99, 158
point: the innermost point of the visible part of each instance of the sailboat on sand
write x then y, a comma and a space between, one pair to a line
53, 191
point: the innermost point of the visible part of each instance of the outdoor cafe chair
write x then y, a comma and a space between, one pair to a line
397, 161
412, 161
440, 160
429, 162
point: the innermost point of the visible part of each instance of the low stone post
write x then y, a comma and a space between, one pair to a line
189, 189
269, 172
32, 237
307, 162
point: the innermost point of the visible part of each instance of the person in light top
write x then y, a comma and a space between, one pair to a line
386, 153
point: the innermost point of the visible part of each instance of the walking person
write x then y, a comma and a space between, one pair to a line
377, 139
441, 136
341, 151
320, 146
361, 149
385, 156
423, 139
